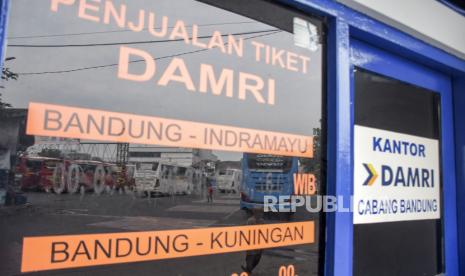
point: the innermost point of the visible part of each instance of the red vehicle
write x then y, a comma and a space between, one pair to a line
53, 174
36, 173
111, 175
88, 174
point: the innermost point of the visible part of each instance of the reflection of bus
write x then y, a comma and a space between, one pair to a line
228, 180
182, 180
164, 178
265, 174
88, 174
36, 172
147, 178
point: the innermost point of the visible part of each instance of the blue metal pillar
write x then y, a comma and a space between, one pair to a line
340, 125
4, 7
459, 121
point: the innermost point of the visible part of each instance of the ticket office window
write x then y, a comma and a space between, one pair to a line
162, 137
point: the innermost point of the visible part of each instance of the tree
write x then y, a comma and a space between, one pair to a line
53, 153
7, 75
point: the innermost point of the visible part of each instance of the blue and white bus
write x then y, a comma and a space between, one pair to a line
265, 174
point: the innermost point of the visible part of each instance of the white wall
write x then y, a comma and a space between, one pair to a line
428, 20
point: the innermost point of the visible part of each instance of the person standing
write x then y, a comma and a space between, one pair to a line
252, 257
210, 189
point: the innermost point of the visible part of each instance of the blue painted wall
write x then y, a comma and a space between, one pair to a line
459, 118
4, 5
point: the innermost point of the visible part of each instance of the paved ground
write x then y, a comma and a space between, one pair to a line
51, 214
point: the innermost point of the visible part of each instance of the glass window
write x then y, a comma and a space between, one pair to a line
144, 154
168, 125
409, 114
269, 162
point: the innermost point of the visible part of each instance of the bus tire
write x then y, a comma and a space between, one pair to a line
59, 179
233, 188
99, 180
74, 174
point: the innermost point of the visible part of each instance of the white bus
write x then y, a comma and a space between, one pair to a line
228, 180
146, 178
164, 178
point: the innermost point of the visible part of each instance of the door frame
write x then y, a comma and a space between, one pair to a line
392, 66
344, 27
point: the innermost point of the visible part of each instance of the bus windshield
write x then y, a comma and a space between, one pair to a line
266, 162
50, 164
33, 165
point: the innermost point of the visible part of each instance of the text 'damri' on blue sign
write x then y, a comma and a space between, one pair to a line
396, 176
